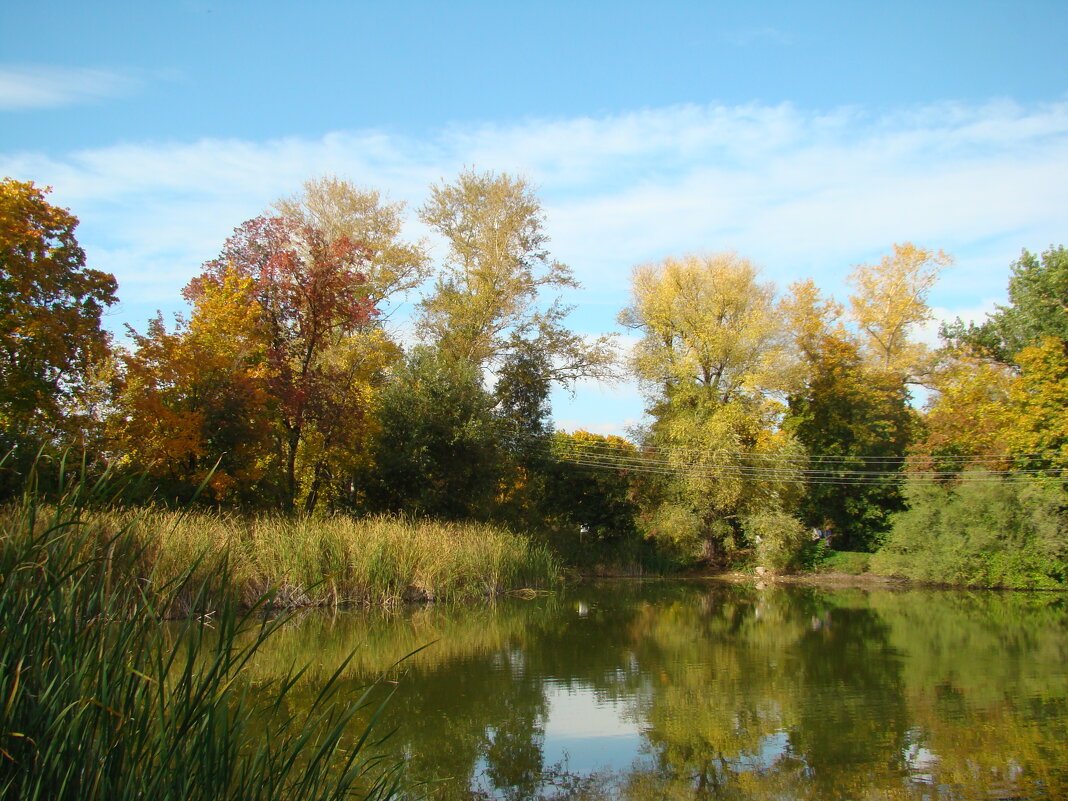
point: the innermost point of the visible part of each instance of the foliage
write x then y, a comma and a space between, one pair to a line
51, 343
438, 450
711, 348
1037, 289
852, 562
890, 300
102, 703
992, 533
486, 302
780, 540
718, 456
337, 209
192, 405
1039, 397
970, 415
312, 305
706, 324
598, 503
854, 421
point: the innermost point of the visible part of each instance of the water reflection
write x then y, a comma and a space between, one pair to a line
686, 690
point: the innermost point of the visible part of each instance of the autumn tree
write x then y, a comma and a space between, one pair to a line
1022, 346
51, 304
890, 301
337, 208
1039, 399
489, 298
707, 326
970, 417
192, 403
312, 309
711, 343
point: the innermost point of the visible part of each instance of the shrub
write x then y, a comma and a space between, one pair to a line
981, 532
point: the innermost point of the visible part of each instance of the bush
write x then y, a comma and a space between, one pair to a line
982, 532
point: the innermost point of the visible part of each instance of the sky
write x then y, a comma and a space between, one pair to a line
808, 137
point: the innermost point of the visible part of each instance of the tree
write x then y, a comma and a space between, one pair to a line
707, 325
310, 295
710, 351
437, 451
485, 303
192, 403
1038, 308
971, 414
337, 209
50, 309
853, 420
1039, 397
890, 301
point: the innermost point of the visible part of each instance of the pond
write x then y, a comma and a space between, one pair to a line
665, 690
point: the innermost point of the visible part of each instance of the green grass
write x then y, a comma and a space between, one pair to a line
96, 702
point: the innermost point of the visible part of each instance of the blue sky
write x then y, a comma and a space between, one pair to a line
806, 136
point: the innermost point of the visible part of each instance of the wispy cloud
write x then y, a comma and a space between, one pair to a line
803, 193
38, 87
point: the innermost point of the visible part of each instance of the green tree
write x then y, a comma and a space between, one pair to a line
51, 342
856, 424
488, 299
1038, 289
591, 488
437, 451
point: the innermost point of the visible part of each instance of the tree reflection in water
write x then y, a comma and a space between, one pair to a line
718, 691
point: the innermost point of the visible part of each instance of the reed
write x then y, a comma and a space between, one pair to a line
338, 560
96, 703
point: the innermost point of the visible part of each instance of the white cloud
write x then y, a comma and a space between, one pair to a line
23, 88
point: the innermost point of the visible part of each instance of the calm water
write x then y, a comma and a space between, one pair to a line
664, 690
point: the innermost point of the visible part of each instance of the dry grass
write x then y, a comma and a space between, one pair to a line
332, 561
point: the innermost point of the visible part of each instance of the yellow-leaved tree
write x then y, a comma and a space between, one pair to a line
890, 302
710, 352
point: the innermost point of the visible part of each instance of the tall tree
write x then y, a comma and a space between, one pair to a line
488, 299
311, 300
50, 310
890, 300
338, 208
709, 353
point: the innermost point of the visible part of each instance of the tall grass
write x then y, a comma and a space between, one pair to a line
96, 704
341, 560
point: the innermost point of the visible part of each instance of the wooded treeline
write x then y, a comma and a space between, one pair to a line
772, 413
